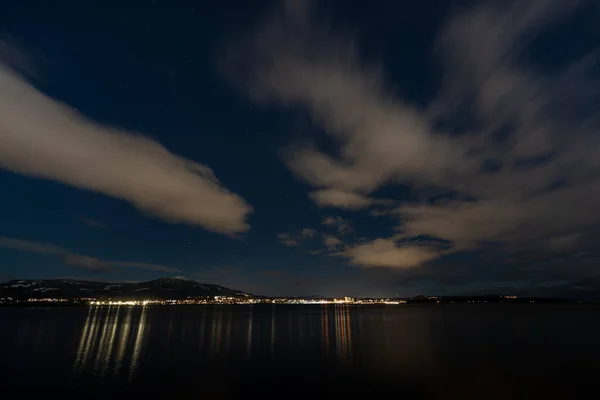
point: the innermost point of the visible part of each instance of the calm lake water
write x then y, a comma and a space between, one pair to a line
429, 352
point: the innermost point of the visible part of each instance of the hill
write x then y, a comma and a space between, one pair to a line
164, 288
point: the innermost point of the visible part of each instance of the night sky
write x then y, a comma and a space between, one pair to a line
295, 147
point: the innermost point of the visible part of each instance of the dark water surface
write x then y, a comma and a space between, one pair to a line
214, 352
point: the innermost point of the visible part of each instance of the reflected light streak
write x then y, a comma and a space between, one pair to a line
124, 333
202, 329
249, 341
88, 338
228, 334
343, 334
216, 332
325, 329
110, 345
272, 330
105, 340
91, 316
103, 345
137, 348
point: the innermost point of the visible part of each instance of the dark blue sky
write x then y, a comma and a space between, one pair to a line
360, 147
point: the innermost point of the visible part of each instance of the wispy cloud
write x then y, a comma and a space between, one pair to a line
308, 233
42, 137
344, 199
342, 225
331, 241
78, 260
296, 238
529, 150
326, 242
287, 239
92, 222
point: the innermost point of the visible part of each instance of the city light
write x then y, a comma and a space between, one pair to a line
224, 300
215, 300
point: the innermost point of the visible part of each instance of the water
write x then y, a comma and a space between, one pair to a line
429, 352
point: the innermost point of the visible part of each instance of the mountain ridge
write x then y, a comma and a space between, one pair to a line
162, 288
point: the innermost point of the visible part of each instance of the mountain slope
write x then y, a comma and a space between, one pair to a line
164, 288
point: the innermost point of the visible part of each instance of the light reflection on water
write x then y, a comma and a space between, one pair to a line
343, 334
111, 339
436, 351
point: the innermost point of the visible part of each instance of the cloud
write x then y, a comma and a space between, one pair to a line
330, 221
308, 233
43, 138
341, 199
331, 242
287, 239
342, 225
386, 253
520, 168
545, 158
293, 61
12, 56
294, 239
78, 260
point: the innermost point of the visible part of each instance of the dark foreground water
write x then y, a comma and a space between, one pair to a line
212, 352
